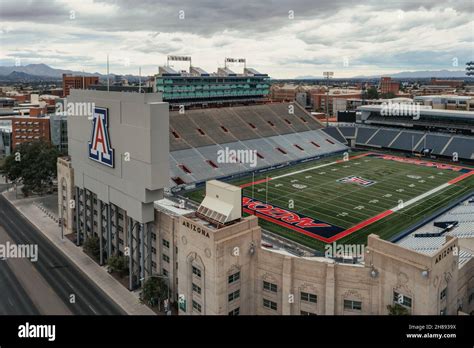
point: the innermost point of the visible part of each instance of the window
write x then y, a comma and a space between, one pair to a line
196, 289
307, 313
166, 258
196, 306
307, 297
442, 295
401, 299
197, 272
153, 250
166, 244
269, 304
235, 311
234, 277
234, 295
165, 272
353, 305
270, 286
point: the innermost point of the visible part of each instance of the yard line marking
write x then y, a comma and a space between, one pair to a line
436, 189
360, 225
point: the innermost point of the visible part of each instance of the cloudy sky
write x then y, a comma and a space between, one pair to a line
280, 37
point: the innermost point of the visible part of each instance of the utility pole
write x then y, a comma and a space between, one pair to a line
327, 75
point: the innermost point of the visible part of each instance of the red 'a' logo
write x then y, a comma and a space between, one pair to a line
100, 149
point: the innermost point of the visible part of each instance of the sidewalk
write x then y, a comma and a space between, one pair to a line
128, 301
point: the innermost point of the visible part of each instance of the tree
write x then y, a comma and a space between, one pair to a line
154, 291
372, 93
118, 264
34, 165
397, 309
389, 95
92, 246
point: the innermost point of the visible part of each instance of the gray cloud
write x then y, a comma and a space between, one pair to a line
321, 34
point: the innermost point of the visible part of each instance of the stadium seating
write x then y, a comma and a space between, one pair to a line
335, 133
203, 163
364, 134
435, 142
463, 146
348, 132
383, 137
406, 140
203, 127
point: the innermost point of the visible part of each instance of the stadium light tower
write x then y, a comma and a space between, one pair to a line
327, 75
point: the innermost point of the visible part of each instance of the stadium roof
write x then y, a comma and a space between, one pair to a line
252, 71
166, 70
198, 71
462, 213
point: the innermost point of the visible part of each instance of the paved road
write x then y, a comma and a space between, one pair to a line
60, 274
13, 299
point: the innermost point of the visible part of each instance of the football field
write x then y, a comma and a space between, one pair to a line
345, 199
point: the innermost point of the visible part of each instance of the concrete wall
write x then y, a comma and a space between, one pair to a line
138, 126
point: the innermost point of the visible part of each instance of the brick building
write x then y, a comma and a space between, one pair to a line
77, 82
29, 128
387, 85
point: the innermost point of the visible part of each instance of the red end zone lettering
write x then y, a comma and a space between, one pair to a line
421, 163
291, 220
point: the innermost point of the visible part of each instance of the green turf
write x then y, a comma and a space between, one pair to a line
322, 197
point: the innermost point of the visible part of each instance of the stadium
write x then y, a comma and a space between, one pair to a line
236, 200
345, 182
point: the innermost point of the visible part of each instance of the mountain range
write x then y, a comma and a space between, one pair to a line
38, 72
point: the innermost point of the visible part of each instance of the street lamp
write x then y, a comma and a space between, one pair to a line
167, 284
327, 75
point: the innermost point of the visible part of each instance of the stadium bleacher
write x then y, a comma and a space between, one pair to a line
336, 134
202, 127
440, 144
279, 132
463, 146
435, 142
383, 137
